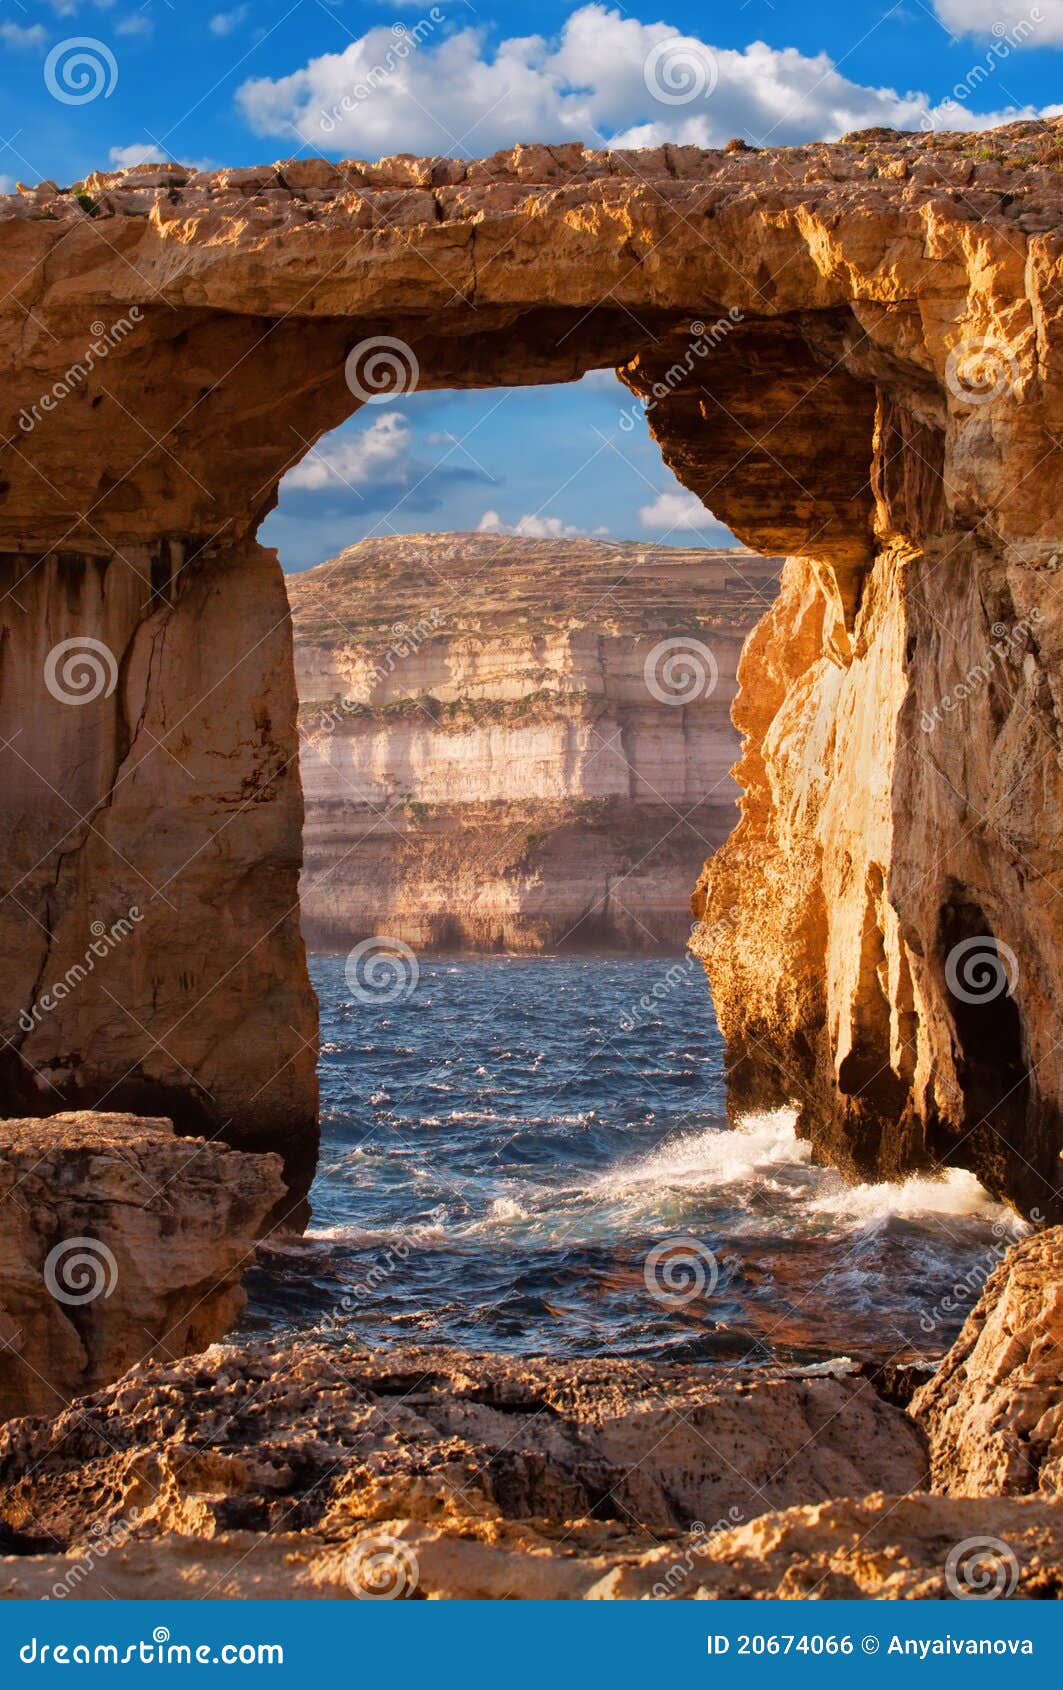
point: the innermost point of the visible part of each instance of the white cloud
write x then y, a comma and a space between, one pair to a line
224, 23
455, 93
532, 527
7, 184
28, 37
141, 152
146, 152
1016, 21
136, 24
680, 511
379, 453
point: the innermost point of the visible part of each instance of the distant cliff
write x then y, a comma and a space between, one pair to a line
514, 744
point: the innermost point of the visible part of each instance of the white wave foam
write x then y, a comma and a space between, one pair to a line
712, 1159
922, 1196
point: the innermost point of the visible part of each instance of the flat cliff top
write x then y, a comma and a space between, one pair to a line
1029, 155
487, 585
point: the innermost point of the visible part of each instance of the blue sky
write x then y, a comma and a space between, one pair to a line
208, 82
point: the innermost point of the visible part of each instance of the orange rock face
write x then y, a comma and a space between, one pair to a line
850, 353
994, 1410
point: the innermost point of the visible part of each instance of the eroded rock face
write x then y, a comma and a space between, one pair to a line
994, 1410
889, 1548
120, 1242
516, 744
544, 1458
852, 354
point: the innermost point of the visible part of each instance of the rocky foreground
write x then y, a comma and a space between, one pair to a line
317, 1470
120, 1241
512, 744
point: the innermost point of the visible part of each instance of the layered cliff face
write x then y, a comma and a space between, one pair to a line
516, 744
852, 355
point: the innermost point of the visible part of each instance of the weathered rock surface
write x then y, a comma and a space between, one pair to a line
886, 1547
544, 1459
994, 1410
879, 396
119, 1242
323, 1472
516, 744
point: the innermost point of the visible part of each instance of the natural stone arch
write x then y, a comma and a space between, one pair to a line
834, 285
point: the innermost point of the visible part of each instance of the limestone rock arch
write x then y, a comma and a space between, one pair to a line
811, 329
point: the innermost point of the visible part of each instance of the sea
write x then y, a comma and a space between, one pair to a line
533, 1156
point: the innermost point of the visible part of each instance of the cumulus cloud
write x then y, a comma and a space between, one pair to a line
146, 152
135, 24
679, 511
605, 79
224, 23
532, 527
379, 454
1039, 25
23, 37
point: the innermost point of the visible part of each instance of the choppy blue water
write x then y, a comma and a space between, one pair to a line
509, 1163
